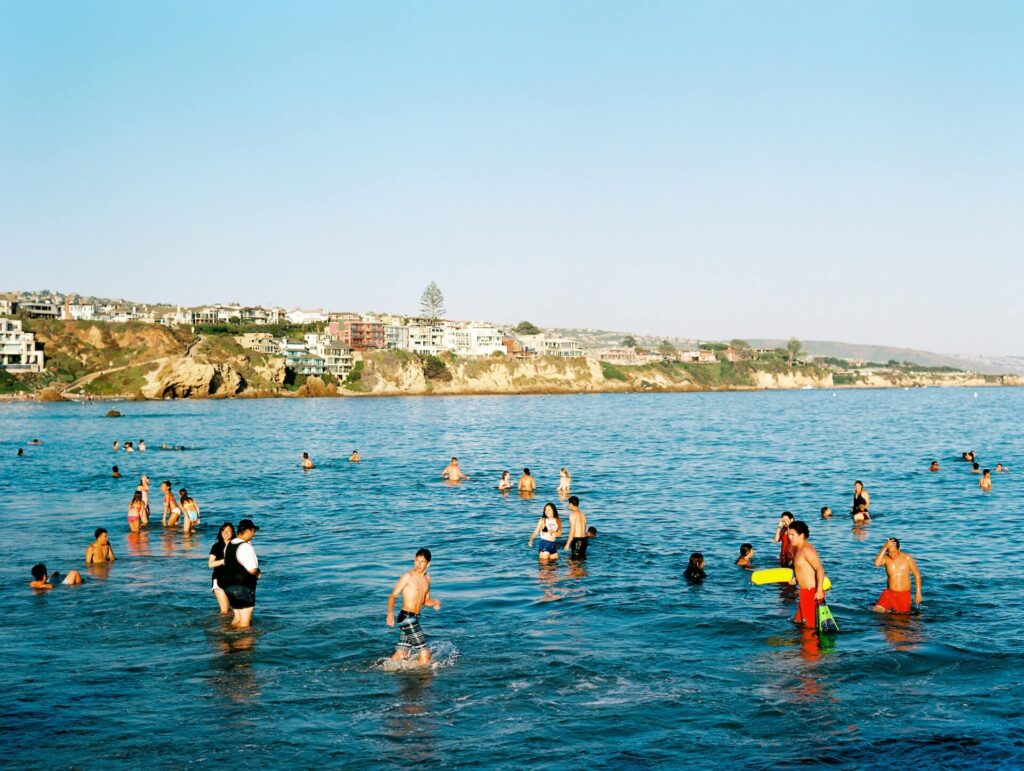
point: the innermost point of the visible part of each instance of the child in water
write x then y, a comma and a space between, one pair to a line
694, 572
746, 555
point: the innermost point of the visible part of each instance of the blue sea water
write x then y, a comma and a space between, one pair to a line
611, 663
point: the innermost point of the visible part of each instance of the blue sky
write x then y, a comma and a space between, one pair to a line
847, 171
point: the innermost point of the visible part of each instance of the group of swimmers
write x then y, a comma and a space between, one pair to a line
183, 508
985, 483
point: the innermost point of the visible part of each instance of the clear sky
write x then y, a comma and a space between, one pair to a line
849, 171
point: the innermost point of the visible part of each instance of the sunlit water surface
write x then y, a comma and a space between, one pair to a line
613, 663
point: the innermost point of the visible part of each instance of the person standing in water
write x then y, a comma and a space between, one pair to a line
225, 535
564, 482
142, 445
239, 574
808, 573
355, 457
117, 445
190, 509
527, 484
143, 488
307, 463
453, 472
577, 542
172, 511
115, 472
694, 572
782, 539
136, 510
934, 466
860, 496
414, 586
99, 551
505, 483
985, 483
745, 560
899, 567
549, 527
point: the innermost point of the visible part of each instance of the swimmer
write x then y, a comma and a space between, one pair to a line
527, 484
216, 563
307, 464
115, 472
694, 572
1000, 468
414, 586
144, 489
577, 543
191, 511
136, 509
172, 511
549, 527
453, 472
808, 573
985, 483
782, 539
35, 441
975, 468
564, 481
41, 579
746, 556
100, 549
21, 453
128, 447
861, 515
355, 457
591, 532
142, 445
899, 566
117, 445
934, 466
505, 483
860, 495
826, 512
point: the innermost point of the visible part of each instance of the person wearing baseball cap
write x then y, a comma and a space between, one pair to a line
240, 573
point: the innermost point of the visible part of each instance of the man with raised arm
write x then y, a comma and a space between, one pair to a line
899, 566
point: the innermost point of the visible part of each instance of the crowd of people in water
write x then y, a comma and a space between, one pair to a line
236, 572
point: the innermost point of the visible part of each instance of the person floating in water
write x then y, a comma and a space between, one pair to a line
35, 441
935, 466
505, 483
808, 573
355, 457
453, 472
190, 509
745, 560
172, 511
115, 472
968, 456
414, 586
564, 482
782, 539
826, 512
527, 484
985, 483
43, 580
694, 572
307, 463
899, 566
239, 574
549, 527
100, 550
576, 545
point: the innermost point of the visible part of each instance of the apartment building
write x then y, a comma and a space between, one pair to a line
543, 345
18, 349
473, 339
360, 335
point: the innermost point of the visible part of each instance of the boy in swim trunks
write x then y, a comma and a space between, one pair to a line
414, 586
577, 543
809, 574
899, 566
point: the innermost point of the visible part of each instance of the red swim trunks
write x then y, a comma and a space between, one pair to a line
807, 608
895, 602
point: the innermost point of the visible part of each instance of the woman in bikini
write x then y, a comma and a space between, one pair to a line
564, 482
505, 483
136, 510
549, 527
191, 511
172, 511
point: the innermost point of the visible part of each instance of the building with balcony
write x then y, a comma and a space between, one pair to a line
338, 360
306, 316
18, 349
361, 335
473, 340
427, 339
542, 345
40, 309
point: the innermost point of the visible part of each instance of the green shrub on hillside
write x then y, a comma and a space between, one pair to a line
354, 381
9, 384
435, 369
611, 372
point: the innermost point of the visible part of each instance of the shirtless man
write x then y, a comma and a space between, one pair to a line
144, 489
577, 543
782, 539
934, 466
99, 551
452, 472
898, 566
527, 484
985, 483
414, 586
41, 579
1000, 468
355, 457
809, 574
115, 472
307, 463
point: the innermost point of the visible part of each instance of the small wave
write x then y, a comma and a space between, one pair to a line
443, 655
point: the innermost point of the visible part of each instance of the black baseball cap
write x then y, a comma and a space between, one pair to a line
246, 524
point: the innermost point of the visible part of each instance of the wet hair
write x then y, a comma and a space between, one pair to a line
696, 561
425, 553
745, 549
21, 451
574, 501
591, 531
824, 509
787, 514
896, 541
220, 531
116, 470
801, 528
99, 531
305, 455
526, 471
976, 466
987, 471
39, 571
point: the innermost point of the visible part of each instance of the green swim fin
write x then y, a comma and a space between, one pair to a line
826, 623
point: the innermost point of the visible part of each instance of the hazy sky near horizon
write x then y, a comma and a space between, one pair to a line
848, 171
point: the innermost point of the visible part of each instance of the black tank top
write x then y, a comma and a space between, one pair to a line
233, 572
858, 499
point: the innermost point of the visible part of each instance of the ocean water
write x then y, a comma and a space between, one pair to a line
611, 663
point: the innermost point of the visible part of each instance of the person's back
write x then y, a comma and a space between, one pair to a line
694, 572
577, 541
527, 484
